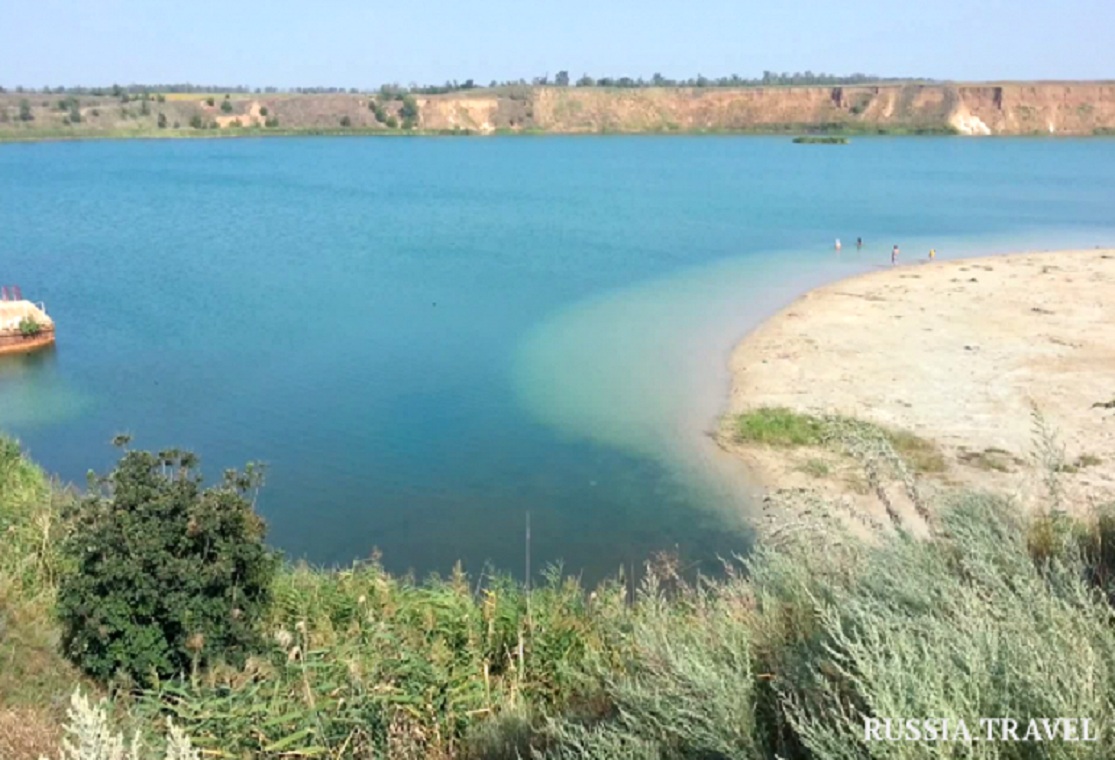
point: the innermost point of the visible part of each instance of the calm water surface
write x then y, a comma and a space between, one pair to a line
425, 339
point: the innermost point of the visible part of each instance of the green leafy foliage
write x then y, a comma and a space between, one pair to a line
29, 327
409, 112
165, 574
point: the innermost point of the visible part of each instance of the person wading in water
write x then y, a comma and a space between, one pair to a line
894, 255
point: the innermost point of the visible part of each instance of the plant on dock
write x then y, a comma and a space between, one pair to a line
29, 327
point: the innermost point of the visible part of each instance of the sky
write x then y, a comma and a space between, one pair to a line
365, 43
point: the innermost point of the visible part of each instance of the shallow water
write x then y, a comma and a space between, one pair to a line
425, 339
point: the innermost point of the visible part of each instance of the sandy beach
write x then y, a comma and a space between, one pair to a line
957, 352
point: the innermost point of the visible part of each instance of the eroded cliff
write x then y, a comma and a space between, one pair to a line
984, 109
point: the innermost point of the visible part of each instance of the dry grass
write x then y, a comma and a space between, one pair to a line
991, 459
28, 734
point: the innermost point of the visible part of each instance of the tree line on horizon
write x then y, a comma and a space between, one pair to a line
561, 79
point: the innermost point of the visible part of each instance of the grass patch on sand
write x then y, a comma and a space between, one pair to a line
778, 426
785, 428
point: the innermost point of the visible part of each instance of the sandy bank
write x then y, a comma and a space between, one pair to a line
955, 352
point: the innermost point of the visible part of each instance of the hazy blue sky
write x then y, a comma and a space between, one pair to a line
366, 42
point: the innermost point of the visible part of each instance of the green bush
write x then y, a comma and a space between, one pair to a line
263, 111
197, 122
166, 576
409, 112
271, 121
226, 106
25, 111
29, 327
391, 122
162, 121
210, 102
346, 121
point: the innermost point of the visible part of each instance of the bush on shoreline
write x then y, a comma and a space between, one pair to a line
165, 576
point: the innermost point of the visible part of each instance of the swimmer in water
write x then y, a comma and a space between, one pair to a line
838, 244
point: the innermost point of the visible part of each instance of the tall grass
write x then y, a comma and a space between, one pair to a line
32, 671
783, 656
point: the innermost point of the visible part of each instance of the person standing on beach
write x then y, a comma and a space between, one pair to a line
932, 253
894, 255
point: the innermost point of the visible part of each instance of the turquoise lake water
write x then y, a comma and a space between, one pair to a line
426, 338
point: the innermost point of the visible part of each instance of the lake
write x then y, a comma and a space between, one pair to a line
426, 339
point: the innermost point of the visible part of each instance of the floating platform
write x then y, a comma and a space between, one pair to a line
24, 326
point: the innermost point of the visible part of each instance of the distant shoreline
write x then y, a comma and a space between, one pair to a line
418, 134
227, 134
1076, 109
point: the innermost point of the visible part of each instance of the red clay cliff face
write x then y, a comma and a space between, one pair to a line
991, 109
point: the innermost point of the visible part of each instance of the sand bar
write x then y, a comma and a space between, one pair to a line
955, 352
